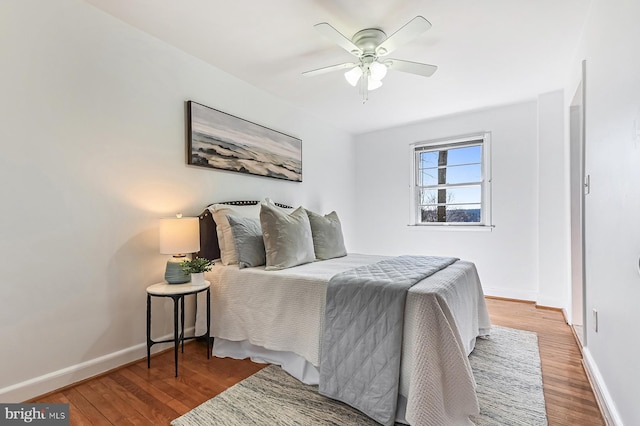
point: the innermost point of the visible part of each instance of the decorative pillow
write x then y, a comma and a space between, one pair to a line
328, 241
287, 237
287, 210
247, 236
228, 254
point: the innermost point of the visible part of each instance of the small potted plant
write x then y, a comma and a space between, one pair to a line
196, 267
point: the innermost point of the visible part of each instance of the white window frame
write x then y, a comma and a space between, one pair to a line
485, 182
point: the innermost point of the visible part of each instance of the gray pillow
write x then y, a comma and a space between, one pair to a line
287, 237
247, 236
328, 241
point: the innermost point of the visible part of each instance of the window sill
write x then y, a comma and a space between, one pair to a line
455, 228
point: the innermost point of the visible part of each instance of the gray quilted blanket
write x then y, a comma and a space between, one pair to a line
364, 317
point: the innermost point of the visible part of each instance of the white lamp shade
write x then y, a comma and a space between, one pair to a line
179, 235
378, 71
353, 75
373, 84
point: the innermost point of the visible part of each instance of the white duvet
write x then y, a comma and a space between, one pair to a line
284, 311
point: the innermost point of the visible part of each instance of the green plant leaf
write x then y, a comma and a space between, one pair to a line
196, 265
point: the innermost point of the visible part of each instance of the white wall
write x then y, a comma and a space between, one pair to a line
506, 257
612, 208
553, 202
526, 254
93, 153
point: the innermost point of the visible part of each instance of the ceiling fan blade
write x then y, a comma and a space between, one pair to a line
408, 32
329, 69
418, 68
337, 37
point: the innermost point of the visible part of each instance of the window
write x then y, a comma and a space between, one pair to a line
451, 181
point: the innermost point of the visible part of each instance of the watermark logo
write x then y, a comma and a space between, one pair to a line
34, 414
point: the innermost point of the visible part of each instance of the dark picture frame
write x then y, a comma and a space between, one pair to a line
218, 140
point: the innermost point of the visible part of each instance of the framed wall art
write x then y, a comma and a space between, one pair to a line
218, 140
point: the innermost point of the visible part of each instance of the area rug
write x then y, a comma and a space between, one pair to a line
506, 367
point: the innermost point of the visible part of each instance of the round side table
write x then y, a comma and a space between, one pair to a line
177, 292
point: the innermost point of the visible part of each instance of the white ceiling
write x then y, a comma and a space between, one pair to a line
489, 52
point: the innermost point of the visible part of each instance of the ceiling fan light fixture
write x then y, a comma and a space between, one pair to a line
370, 46
377, 70
353, 75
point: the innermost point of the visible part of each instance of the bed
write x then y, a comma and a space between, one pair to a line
278, 316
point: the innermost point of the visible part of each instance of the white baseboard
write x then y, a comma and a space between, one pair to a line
530, 296
608, 407
510, 293
49, 382
551, 303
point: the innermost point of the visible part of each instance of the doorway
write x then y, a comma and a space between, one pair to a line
578, 188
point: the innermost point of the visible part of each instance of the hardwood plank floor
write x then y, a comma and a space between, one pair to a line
567, 391
136, 395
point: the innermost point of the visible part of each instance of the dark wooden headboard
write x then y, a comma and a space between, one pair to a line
209, 247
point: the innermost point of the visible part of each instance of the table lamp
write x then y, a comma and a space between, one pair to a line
178, 236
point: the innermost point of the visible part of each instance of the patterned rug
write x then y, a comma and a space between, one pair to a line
506, 367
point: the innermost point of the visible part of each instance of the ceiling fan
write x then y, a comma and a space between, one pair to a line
371, 46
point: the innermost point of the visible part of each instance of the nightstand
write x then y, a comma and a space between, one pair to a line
177, 292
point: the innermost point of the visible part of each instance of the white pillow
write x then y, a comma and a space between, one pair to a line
228, 253
287, 237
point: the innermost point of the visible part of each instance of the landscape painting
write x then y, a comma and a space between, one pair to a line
221, 141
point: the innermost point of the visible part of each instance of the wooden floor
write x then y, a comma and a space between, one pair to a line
137, 395
567, 392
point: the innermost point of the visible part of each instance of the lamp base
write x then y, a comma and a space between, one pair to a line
173, 274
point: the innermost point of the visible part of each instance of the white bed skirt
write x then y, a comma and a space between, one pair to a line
293, 364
